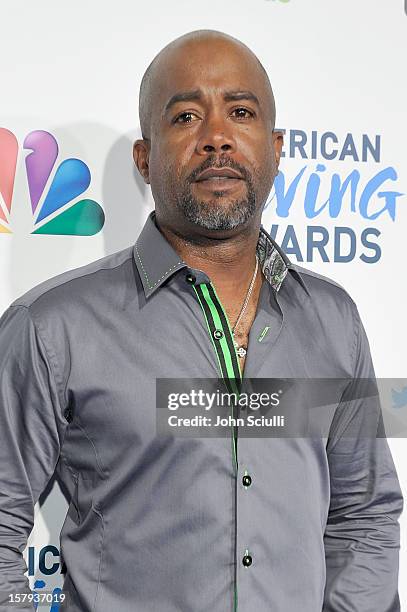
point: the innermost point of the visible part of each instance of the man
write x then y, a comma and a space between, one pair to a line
170, 523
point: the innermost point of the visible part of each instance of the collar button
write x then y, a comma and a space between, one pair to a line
190, 278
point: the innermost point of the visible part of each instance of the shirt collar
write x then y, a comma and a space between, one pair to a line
157, 260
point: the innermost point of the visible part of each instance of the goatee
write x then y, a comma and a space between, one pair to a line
215, 215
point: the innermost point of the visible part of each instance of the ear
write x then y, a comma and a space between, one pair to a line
278, 141
141, 152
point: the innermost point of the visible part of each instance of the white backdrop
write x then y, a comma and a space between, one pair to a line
73, 69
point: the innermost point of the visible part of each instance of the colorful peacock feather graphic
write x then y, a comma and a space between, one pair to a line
71, 179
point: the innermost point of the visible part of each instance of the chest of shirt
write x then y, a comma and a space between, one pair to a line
113, 354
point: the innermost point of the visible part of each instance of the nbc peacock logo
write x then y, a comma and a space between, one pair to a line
53, 189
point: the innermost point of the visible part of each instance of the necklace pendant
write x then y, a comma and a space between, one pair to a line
241, 351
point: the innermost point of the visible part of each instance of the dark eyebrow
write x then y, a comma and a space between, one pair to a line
232, 96
228, 96
182, 96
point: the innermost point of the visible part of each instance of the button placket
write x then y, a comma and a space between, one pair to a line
222, 339
246, 530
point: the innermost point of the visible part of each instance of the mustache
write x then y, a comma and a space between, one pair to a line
224, 162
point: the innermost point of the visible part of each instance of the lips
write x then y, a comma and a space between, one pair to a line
218, 174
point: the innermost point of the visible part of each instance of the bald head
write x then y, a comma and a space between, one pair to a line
162, 62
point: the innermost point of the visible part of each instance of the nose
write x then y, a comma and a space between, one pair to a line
215, 136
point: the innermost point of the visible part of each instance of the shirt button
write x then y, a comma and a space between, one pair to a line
218, 334
190, 278
247, 480
247, 560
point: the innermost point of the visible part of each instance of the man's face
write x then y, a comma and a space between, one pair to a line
211, 110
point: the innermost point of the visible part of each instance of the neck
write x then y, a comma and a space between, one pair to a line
228, 262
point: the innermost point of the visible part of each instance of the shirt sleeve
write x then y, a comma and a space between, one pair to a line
31, 431
362, 536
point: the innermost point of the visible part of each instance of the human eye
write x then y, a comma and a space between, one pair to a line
185, 114
240, 115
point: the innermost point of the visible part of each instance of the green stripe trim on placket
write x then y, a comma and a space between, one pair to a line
228, 336
216, 319
228, 361
211, 327
224, 347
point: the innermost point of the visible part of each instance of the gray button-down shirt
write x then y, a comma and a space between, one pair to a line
170, 524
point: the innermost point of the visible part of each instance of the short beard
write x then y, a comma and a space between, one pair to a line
212, 217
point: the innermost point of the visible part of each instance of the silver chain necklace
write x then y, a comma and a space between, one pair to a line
241, 350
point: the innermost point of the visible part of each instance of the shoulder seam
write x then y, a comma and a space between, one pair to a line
321, 277
16, 303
